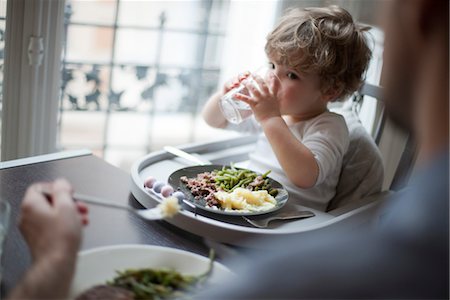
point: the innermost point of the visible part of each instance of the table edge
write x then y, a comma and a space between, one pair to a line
44, 158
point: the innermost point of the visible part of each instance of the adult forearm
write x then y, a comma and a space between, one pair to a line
49, 278
296, 159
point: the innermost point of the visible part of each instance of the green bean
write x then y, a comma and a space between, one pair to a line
239, 184
265, 174
160, 283
230, 178
273, 192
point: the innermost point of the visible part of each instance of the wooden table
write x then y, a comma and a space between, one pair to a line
88, 175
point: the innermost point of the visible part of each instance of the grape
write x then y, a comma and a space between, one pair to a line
166, 190
158, 186
179, 195
149, 182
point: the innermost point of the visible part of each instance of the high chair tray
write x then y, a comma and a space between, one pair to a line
232, 229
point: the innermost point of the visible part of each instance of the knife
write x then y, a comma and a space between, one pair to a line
185, 155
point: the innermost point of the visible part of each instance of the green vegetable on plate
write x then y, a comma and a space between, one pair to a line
160, 283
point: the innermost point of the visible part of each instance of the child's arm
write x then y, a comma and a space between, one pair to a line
297, 161
211, 111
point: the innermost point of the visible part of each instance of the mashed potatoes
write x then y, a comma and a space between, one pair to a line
245, 200
169, 207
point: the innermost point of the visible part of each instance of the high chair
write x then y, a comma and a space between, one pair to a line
344, 212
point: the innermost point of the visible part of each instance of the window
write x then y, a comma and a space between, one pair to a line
130, 70
135, 76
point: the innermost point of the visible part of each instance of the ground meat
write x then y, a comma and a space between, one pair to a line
203, 186
106, 292
258, 181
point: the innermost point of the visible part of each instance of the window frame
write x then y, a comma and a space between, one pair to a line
30, 86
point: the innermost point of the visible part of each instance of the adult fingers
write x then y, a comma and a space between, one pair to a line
83, 211
82, 207
85, 220
35, 203
62, 193
35, 198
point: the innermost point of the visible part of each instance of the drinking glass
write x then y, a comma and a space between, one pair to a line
234, 110
4, 221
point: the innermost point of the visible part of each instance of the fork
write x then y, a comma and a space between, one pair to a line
146, 213
290, 215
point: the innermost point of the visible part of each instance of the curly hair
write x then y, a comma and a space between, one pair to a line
323, 41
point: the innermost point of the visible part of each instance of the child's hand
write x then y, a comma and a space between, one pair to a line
234, 82
263, 100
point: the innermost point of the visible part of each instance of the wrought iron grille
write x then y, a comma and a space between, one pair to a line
162, 86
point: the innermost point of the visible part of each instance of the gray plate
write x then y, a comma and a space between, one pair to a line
191, 172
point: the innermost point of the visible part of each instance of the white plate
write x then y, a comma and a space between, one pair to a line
98, 265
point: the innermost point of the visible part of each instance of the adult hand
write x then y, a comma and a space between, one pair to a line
51, 221
262, 99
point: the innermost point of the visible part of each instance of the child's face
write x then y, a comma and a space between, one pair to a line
298, 94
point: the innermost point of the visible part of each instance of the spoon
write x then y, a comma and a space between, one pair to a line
147, 214
187, 156
290, 215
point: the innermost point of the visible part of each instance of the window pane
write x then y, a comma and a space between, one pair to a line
92, 12
204, 85
85, 87
180, 49
142, 88
136, 46
128, 83
218, 17
213, 52
123, 158
161, 76
171, 129
168, 96
128, 129
86, 43
82, 129
205, 133
3, 9
178, 14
